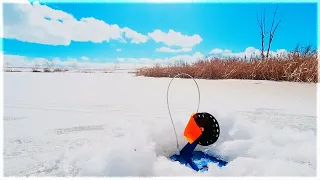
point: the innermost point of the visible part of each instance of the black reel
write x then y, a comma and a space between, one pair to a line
211, 128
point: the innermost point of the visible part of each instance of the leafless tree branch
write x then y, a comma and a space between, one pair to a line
273, 30
262, 25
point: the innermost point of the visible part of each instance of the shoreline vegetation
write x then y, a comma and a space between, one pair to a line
300, 65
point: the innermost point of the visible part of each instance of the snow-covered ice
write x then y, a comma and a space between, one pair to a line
117, 124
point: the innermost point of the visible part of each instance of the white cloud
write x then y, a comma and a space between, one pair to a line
170, 60
22, 61
84, 58
219, 51
135, 37
37, 23
15, 61
166, 49
118, 50
185, 58
279, 51
173, 38
41, 24
121, 59
249, 52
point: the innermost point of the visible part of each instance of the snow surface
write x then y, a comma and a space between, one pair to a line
117, 124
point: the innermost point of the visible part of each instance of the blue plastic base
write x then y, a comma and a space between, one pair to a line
199, 161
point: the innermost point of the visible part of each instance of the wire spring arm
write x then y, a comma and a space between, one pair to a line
169, 107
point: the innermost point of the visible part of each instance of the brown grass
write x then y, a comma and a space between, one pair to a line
297, 66
47, 70
59, 70
36, 70
10, 70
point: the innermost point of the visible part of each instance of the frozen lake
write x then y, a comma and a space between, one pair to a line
117, 124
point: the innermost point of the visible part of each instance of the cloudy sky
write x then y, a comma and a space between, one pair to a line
102, 33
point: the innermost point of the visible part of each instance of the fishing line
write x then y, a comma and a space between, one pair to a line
169, 107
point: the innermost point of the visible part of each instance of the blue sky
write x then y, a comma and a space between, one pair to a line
140, 32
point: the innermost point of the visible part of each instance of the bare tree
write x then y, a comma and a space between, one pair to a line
116, 64
274, 27
74, 65
47, 66
262, 25
36, 65
51, 64
7, 64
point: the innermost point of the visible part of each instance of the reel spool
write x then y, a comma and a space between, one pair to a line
210, 126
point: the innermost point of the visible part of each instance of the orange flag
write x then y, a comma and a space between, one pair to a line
192, 130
